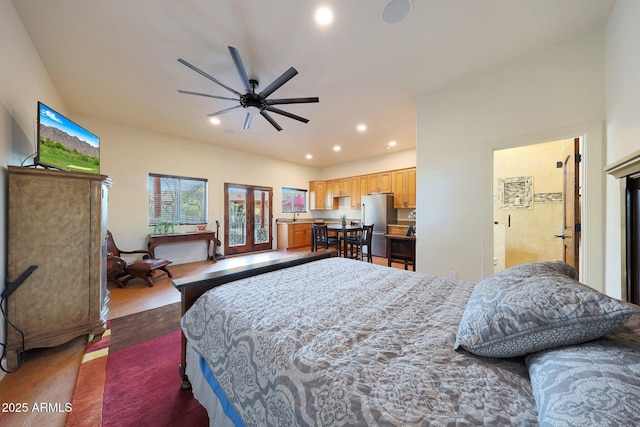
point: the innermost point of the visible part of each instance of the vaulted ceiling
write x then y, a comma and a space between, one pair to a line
116, 60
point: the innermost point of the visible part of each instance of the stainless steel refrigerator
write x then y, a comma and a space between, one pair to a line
377, 209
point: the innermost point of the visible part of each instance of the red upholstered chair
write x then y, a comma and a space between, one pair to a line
120, 271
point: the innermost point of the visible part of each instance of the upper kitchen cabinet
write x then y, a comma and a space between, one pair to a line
379, 183
317, 195
330, 196
321, 195
404, 188
402, 182
358, 189
341, 187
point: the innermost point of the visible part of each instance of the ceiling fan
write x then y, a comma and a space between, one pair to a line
250, 100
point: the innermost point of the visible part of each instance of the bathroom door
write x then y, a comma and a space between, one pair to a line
571, 196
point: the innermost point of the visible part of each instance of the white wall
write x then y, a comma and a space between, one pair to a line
622, 68
553, 94
129, 154
392, 160
23, 81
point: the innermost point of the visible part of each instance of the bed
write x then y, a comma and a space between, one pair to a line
328, 341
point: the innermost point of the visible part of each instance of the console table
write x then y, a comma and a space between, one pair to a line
161, 239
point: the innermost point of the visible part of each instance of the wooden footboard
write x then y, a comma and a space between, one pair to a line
192, 287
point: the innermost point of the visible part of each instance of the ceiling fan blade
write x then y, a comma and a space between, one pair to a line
235, 55
247, 121
285, 77
188, 92
217, 113
286, 114
270, 120
291, 100
213, 79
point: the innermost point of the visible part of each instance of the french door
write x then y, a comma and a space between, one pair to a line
247, 218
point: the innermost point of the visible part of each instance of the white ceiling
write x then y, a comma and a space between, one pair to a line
116, 60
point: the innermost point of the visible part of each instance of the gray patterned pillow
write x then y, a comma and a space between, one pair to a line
533, 307
593, 384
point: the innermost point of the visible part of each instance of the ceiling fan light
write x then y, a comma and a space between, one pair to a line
214, 120
395, 11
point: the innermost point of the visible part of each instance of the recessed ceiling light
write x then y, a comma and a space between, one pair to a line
309, 156
392, 143
362, 127
214, 121
324, 16
336, 148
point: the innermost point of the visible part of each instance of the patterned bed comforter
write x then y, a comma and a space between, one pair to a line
341, 342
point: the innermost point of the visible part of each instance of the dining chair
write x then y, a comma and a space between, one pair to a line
353, 234
320, 238
412, 229
356, 243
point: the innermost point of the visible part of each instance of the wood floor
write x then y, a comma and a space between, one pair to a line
48, 375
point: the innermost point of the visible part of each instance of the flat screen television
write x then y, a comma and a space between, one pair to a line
63, 144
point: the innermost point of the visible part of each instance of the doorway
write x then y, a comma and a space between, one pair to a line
536, 204
631, 289
247, 218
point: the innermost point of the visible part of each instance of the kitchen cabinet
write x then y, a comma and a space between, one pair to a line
57, 221
404, 188
332, 186
325, 194
317, 195
342, 187
358, 189
294, 235
379, 183
330, 197
321, 195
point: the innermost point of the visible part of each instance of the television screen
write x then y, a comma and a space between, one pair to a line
62, 144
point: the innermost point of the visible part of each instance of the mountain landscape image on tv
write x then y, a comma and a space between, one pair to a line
63, 144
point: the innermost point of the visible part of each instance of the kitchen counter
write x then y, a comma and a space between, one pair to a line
310, 220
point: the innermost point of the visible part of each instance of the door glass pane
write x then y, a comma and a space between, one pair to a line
261, 218
237, 214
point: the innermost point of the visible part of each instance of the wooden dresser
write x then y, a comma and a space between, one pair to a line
56, 220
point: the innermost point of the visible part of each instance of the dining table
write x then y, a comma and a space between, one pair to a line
344, 230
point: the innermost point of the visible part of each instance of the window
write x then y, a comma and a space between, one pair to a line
294, 200
177, 199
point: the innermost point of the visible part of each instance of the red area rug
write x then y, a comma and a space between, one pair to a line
135, 386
